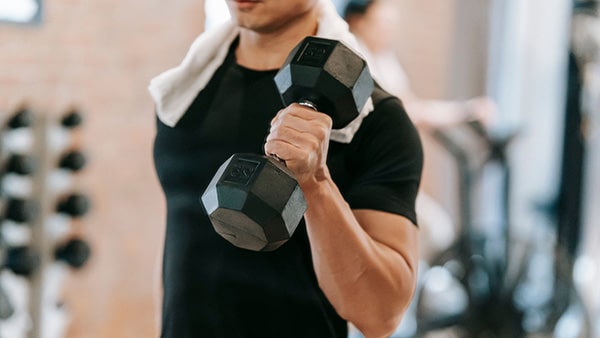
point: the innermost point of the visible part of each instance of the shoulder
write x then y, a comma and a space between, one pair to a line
388, 106
388, 125
385, 160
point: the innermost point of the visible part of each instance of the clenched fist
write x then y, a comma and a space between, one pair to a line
299, 136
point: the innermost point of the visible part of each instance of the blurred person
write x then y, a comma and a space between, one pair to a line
353, 257
373, 23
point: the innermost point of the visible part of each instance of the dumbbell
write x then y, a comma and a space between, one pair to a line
71, 119
73, 160
75, 253
20, 210
20, 164
21, 260
22, 118
254, 201
74, 205
13, 179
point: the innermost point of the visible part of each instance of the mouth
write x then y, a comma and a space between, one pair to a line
245, 5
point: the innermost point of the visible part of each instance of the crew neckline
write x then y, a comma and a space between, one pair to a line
251, 71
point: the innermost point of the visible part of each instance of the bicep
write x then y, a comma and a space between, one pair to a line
395, 234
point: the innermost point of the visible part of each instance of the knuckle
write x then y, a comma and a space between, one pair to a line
321, 133
305, 154
284, 132
313, 144
329, 121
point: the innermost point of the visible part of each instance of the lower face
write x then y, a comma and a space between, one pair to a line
267, 15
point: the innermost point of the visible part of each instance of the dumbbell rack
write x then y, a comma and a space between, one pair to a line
46, 318
39, 239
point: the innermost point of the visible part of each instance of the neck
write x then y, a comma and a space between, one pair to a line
268, 50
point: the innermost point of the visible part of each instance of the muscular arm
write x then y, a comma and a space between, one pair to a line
365, 260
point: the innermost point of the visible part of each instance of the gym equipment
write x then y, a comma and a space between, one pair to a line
21, 260
20, 119
71, 119
492, 283
20, 165
46, 151
6, 307
72, 161
74, 205
254, 201
20, 210
75, 253
476, 266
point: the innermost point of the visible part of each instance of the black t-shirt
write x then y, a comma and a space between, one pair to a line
213, 289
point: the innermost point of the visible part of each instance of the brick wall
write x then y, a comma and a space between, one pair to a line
424, 36
100, 55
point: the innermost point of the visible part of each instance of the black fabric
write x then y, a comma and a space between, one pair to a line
213, 289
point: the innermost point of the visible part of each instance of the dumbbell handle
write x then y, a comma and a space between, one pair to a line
309, 104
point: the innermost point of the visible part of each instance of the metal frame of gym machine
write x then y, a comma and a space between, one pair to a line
523, 75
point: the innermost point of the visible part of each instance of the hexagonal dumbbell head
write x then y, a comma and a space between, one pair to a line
254, 202
328, 74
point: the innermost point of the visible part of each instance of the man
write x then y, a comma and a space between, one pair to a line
354, 256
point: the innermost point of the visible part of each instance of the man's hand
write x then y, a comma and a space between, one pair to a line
300, 137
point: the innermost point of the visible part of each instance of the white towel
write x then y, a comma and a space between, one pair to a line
174, 90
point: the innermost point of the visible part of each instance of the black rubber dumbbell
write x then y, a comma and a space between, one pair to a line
71, 119
73, 160
20, 164
21, 260
254, 201
20, 210
22, 118
75, 253
75, 205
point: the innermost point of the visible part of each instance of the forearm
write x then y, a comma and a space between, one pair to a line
369, 283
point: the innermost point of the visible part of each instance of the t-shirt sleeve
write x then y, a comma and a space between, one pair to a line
387, 162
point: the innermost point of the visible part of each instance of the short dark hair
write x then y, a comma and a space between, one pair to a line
356, 7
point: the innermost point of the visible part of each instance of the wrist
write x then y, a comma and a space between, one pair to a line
316, 184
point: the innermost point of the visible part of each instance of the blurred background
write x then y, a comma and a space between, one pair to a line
508, 217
